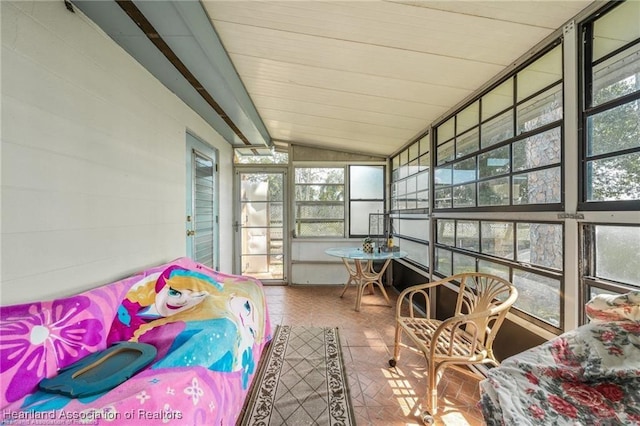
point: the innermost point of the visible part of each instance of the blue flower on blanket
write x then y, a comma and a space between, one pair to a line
41, 338
248, 366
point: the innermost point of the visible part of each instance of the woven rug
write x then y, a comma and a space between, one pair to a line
301, 381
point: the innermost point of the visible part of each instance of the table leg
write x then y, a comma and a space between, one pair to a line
353, 275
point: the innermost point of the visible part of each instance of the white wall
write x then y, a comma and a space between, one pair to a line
93, 158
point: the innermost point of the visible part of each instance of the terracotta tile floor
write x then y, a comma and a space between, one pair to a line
381, 395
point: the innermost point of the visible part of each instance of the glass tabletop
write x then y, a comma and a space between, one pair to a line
357, 253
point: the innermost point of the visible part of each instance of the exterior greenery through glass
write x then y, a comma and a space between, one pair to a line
610, 150
505, 149
321, 199
611, 116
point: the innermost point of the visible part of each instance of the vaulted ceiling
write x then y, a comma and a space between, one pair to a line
357, 76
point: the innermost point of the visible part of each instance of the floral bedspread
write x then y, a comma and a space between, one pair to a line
588, 376
209, 330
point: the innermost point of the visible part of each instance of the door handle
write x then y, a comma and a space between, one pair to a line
190, 232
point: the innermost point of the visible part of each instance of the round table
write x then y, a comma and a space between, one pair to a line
363, 275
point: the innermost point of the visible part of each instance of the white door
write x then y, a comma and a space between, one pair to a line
202, 203
260, 238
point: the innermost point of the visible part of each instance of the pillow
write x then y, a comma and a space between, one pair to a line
614, 307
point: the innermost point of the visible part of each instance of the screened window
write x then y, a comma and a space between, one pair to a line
320, 201
612, 108
505, 149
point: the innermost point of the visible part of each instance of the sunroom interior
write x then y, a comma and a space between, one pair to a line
498, 137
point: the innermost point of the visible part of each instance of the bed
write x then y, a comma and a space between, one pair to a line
209, 330
587, 376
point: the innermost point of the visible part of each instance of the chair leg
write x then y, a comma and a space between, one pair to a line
396, 347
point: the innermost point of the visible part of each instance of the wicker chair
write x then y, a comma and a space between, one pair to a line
464, 339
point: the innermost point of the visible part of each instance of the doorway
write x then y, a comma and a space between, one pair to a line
202, 203
260, 237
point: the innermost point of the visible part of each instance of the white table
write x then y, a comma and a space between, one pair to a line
363, 275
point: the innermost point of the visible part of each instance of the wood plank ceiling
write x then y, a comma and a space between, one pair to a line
370, 76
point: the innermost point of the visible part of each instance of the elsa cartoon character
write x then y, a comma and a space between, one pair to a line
192, 319
225, 342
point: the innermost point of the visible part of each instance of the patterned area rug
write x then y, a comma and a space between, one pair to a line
302, 381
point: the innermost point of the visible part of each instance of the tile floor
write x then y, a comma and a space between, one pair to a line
381, 395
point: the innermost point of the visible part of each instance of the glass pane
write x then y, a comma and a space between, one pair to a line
616, 28
320, 211
540, 74
411, 184
395, 162
468, 117
401, 187
497, 100
445, 152
617, 76
537, 150
443, 261
359, 215
494, 192
617, 249
422, 181
494, 162
445, 131
319, 175
540, 244
463, 263
464, 171
423, 161
538, 296
614, 129
543, 109
443, 176
540, 187
424, 145
404, 171
497, 130
321, 229
467, 143
492, 268
497, 239
464, 195
468, 235
443, 198
616, 178
414, 167
422, 199
445, 232
367, 182
414, 151
319, 192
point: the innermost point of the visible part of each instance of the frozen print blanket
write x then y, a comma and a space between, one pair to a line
587, 376
209, 330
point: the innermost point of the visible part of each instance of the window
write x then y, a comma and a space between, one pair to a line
611, 78
528, 254
410, 200
321, 199
366, 195
505, 149
610, 259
